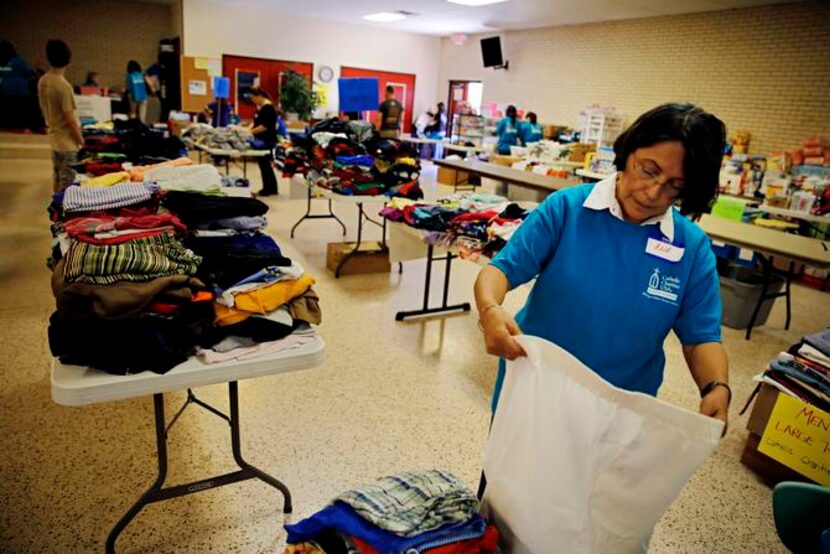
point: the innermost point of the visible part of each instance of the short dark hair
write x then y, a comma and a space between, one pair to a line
531, 117
510, 111
58, 53
258, 91
390, 89
133, 67
703, 137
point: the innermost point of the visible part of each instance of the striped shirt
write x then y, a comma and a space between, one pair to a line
89, 199
141, 259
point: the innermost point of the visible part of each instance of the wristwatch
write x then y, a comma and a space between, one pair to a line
709, 387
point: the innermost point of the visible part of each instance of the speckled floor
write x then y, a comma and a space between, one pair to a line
390, 396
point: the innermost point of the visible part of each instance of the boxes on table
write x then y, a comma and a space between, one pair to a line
786, 437
578, 151
371, 258
501, 159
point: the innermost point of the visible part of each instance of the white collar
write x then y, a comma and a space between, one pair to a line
604, 197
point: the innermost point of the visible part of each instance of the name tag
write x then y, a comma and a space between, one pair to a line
664, 250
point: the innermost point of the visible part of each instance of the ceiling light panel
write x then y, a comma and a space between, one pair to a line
384, 17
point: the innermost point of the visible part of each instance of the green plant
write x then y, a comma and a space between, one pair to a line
296, 95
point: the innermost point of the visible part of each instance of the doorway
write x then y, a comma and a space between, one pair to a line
404, 85
464, 97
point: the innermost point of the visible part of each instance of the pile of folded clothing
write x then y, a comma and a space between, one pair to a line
222, 138
804, 370
475, 224
350, 159
139, 143
144, 278
424, 512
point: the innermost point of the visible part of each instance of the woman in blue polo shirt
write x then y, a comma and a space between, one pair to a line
531, 130
508, 131
617, 267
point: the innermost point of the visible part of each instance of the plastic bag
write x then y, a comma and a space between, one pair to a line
576, 465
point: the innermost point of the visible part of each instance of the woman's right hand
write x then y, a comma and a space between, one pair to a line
499, 329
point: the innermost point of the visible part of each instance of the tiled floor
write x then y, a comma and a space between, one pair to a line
390, 396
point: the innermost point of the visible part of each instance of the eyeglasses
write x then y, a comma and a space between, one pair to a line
648, 171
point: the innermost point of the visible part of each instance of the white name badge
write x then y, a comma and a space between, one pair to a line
664, 250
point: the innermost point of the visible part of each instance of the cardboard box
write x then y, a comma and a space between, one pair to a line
579, 151
452, 177
372, 258
501, 159
770, 470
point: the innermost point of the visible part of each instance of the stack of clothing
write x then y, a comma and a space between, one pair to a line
804, 370
350, 159
222, 138
424, 512
144, 278
264, 301
475, 224
139, 143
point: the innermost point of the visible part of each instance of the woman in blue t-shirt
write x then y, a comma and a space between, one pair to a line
508, 131
531, 131
617, 267
136, 91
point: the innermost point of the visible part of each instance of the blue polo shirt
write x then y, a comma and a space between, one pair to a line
601, 296
531, 132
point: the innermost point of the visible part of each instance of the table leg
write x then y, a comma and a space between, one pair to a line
444, 307
349, 255
309, 215
766, 272
787, 294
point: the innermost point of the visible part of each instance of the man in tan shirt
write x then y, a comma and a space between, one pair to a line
57, 102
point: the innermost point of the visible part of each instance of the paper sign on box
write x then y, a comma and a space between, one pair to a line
798, 435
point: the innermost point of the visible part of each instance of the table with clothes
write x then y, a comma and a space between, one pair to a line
347, 161
115, 142
463, 225
224, 144
424, 512
165, 271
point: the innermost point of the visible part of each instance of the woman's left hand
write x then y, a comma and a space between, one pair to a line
716, 405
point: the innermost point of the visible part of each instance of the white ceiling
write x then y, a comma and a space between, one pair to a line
438, 17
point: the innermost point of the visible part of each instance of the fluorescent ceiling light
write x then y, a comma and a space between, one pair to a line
475, 2
384, 17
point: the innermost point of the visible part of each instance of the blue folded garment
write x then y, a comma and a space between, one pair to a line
820, 341
355, 160
808, 375
343, 518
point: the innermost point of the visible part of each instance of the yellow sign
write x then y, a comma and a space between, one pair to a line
322, 92
201, 63
798, 436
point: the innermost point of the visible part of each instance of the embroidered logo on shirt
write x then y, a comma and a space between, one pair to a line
663, 287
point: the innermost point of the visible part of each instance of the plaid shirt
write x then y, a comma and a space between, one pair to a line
412, 503
89, 199
141, 259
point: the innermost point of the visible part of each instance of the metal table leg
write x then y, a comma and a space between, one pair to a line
767, 272
309, 215
444, 307
157, 492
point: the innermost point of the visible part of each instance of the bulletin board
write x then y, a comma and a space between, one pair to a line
197, 75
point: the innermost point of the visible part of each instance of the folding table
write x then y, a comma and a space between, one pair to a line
80, 386
227, 154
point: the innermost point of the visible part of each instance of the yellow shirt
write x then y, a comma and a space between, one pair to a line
261, 301
56, 99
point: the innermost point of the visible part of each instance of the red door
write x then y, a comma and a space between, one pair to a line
403, 83
245, 72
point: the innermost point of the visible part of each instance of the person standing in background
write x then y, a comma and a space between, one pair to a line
531, 131
16, 104
136, 91
508, 131
57, 102
438, 125
265, 130
391, 112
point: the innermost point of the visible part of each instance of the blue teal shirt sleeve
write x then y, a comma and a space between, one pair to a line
500, 127
699, 319
533, 243
524, 132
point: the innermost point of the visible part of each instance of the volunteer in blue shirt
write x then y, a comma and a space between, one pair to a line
617, 267
531, 131
136, 91
508, 131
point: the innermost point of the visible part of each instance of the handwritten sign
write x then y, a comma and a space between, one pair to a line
798, 436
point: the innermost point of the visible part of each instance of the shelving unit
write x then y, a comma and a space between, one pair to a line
474, 129
599, 127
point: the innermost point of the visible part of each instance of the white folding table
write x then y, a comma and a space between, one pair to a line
227, 154
80, 386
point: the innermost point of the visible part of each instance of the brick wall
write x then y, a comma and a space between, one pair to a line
763, 69
102, 34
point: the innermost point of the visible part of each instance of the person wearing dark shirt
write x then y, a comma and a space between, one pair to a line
391, 112
265, 130
438, 125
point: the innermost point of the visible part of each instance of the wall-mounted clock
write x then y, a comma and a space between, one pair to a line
325, 74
